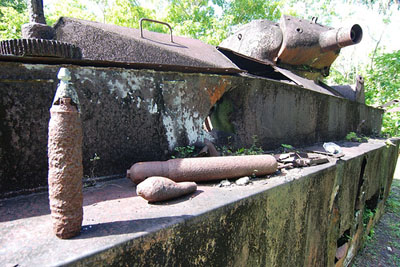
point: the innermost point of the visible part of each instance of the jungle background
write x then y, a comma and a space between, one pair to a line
376, 58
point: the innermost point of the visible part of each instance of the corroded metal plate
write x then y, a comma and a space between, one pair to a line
39, 47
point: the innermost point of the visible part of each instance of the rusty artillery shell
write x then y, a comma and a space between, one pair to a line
65, 167
204, 169
158, 188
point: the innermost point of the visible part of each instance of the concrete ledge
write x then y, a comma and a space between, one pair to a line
298, 219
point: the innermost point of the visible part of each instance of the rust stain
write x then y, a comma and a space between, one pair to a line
340, 262
215, 92
335, 214
325, 60
308, 56
312, 255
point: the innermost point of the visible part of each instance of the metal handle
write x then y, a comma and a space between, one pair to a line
156, 21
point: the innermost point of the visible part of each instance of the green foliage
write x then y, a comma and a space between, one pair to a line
198, 19
353, 137
367, 215
254, 149
72, 8
370, 235
183, 152
383, 5
95, 158
19, 5
195, 19
254, 9
338, 77
350, 136
94, 162
285, 146
132, 14
324, 10
11, 20
89, 179
393, 201
382, 84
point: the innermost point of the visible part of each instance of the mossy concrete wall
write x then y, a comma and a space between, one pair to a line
301, 222
138, 115
303, 218
278, 113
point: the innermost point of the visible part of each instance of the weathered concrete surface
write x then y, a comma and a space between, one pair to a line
294, 220
283, 114
127, 115
140, 115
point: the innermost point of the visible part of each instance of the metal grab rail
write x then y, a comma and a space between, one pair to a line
156, 21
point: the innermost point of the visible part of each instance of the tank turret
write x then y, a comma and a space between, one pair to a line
305, 47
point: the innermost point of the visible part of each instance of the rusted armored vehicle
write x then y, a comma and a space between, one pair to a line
144, 94
294, 51
154, 92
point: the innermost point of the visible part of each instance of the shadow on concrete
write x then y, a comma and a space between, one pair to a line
38, 204
117, 189
177, 200
24, 207
128, 227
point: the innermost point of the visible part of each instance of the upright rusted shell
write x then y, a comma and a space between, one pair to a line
65, 162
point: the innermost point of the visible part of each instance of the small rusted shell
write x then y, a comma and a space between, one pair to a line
65, 160
158, 188
65, 169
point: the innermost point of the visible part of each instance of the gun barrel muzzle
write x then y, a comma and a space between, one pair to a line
338, 38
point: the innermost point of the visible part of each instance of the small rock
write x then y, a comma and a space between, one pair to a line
224, 183
341, 251
243, 181
158, 188
390, 249
332, 148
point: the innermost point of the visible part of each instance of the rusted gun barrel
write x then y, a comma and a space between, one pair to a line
204, 169
338, 38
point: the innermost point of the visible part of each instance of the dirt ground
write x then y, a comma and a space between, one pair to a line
383, 246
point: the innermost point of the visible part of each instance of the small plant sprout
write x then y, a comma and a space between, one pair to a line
350, 136
93, 167
95, 157
183, 152
228, 150
353, 137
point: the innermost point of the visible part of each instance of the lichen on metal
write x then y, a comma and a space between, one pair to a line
65, 89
